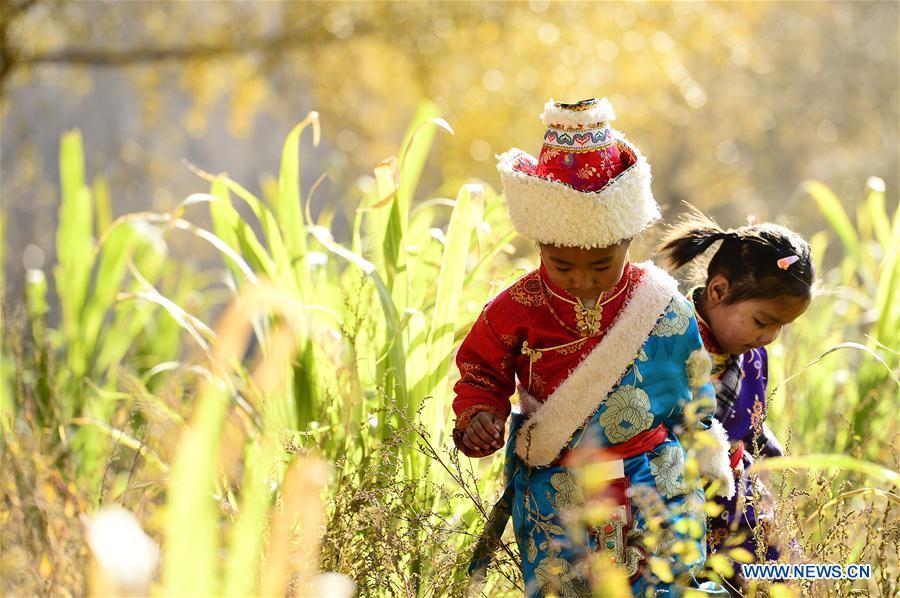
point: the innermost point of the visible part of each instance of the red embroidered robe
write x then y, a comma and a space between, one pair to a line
530, 331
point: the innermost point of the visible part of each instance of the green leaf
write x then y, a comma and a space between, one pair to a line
245, 546
236, 233
126, 440
115, 251
886, 298
288, 208
190, 566
447, 297
131, 321
392, 318
844, 462
74, 244
834, 213
878, 211
305, 388
103, 204
199, 331
838, 347
837, 218
382, 249
416, 147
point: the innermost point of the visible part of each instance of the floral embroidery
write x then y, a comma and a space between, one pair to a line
698, 366
668, 471
716, 536
549, 153
676, 319
527, 290
467, 367
587, 171
573, 348
757, 416
568, 492
665, 541
627, 414
641, 356
509, 340
695, 504
538, 385
608, 166
556, 577
472, 373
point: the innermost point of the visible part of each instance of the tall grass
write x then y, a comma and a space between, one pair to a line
838, 363
306, 428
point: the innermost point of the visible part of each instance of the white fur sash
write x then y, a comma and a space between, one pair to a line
548, 430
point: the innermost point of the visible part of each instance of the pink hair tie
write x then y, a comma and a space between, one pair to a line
785, 262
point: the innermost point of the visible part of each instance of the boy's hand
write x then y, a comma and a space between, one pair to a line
484, 434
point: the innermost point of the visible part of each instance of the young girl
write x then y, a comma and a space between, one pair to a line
607, 355
758, 281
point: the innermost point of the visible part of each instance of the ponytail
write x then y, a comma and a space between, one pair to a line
759, 261
691, 237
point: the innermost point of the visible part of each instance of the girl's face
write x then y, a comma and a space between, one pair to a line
750, 324
585, 273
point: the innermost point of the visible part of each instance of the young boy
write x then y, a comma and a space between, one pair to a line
607, 355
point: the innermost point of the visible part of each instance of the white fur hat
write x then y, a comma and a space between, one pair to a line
589, 187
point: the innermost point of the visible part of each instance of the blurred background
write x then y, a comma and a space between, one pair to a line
734, 103
247, 391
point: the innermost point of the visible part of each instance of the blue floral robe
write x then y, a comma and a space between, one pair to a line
671, 371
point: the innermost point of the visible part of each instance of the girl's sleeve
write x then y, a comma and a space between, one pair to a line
487, 375
769, 446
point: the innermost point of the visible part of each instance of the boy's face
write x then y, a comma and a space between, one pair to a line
585, 273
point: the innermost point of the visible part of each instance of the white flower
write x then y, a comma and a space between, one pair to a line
668, 471
315, 259
126, 555
627, 414
334, 585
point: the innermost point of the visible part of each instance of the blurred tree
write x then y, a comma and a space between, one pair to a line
734, 103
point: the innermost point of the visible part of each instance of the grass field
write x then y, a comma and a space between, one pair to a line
287, 413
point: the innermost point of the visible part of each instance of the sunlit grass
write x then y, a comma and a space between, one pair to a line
289, 413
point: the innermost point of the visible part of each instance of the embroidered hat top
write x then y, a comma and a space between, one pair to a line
589, 187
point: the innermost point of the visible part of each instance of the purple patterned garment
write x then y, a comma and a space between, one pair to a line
741, 408
749, 410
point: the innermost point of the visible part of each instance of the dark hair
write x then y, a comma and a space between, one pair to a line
748, 257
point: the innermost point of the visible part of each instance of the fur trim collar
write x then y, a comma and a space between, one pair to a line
542, 437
